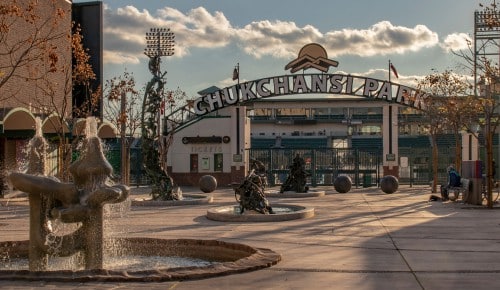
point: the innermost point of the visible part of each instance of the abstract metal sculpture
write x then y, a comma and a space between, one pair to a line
160, 42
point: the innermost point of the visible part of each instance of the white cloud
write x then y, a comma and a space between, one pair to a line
125, 28
117, 57
279, 39
380, 39
456, 42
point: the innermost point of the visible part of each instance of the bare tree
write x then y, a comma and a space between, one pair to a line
114, 90
445, 112
484, 65
22, 54
63, 116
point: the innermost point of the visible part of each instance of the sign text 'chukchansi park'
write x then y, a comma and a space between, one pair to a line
319, 83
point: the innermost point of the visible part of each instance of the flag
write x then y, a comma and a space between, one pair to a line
394, 71
236, 74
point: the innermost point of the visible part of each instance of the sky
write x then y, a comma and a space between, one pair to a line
262, 36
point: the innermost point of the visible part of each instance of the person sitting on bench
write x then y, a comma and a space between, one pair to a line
453, 181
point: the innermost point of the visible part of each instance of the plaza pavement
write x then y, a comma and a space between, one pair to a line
363, 239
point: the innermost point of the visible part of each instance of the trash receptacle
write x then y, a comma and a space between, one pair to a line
367, 180
472, 171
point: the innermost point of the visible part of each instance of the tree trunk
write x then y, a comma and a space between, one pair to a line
489, 163
434, 163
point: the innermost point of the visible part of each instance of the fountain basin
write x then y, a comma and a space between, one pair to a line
284, 212
226, 258
293, 194
189, 199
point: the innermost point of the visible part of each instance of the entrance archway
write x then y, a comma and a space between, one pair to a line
309, 84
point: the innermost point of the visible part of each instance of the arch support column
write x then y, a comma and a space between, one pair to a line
390, 140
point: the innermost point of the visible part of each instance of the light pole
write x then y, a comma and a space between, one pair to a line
159, 42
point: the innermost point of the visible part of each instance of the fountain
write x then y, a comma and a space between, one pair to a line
254, 206
81, 204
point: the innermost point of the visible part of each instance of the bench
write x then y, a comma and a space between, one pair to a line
464, 189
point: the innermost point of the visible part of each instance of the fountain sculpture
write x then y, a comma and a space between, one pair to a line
81, 204
251, 198
78, 202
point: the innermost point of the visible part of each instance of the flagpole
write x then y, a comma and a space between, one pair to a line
390, 114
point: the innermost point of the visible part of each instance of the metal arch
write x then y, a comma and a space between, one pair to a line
187, 114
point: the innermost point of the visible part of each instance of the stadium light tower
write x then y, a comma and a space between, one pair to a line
159, 42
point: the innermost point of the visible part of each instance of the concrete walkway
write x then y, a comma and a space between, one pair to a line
363, 239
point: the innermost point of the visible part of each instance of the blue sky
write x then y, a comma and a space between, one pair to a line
264, 35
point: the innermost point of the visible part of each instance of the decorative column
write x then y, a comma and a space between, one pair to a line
390, 140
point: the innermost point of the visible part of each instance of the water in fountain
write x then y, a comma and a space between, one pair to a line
37, 151
131, 259
82, 208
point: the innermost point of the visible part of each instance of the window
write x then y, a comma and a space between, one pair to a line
218, 162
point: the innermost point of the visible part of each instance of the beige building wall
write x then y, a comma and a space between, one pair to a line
223, 124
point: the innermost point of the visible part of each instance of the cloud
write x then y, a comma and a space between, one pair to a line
125, 28
279, 39
380, 39
117, 57
456, 42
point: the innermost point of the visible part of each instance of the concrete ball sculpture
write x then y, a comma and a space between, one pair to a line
207, 183
342, 184
389, 184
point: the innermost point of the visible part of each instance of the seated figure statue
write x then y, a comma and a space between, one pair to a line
296, 180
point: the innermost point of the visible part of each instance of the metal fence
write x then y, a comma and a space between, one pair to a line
364, 167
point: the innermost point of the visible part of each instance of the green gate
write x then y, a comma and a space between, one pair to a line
324, 165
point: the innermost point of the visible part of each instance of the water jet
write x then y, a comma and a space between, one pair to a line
80, 204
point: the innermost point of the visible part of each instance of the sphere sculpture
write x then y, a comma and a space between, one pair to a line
207, 183
342, 184
389, 184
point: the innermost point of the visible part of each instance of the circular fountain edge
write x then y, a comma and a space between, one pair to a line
226, 214
195, 199
247, 259
293, 194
